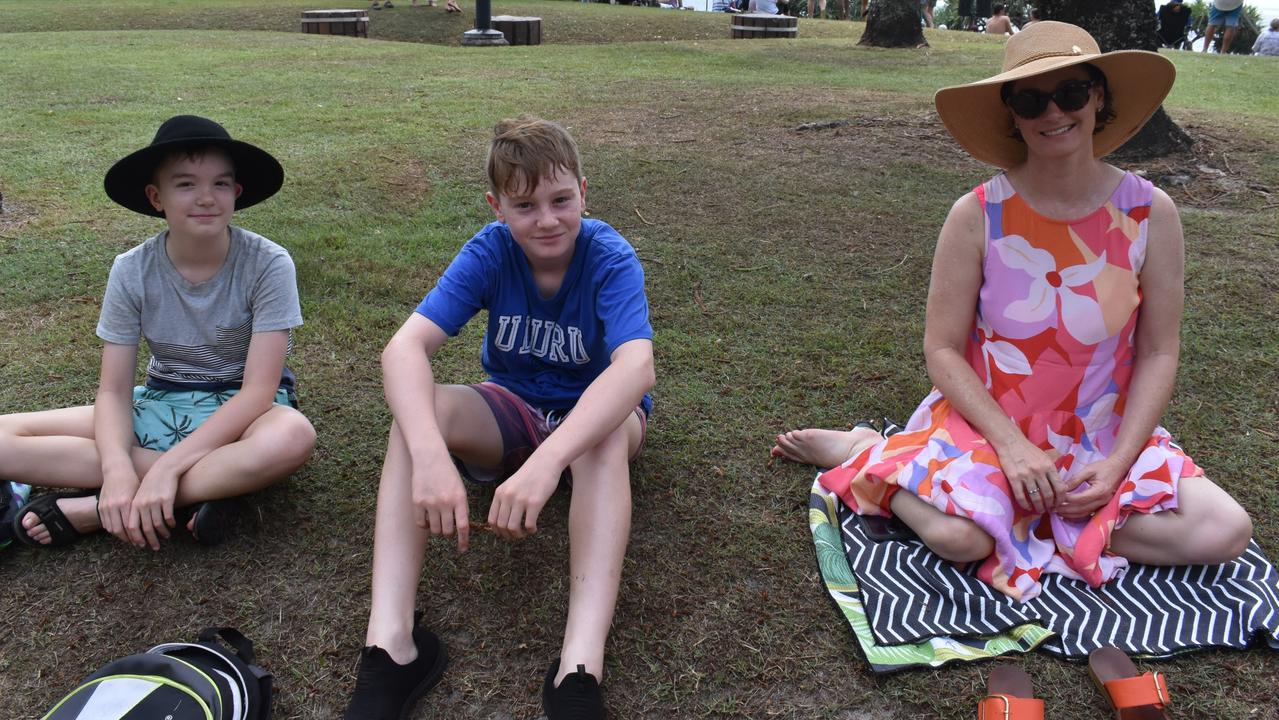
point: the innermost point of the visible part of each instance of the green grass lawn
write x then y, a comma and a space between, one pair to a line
787, 274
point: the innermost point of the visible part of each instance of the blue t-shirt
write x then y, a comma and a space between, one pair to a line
546, 350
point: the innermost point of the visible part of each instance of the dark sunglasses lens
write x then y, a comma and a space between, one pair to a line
1071, 97
1028, 104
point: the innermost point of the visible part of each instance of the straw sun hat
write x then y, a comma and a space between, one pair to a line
1137, 80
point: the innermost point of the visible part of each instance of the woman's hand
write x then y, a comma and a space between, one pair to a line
1099, 481
1032, 476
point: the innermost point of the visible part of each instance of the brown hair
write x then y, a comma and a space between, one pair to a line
525, 150
194, 153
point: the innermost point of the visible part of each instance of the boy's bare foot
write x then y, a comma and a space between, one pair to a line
81, 512
823, 448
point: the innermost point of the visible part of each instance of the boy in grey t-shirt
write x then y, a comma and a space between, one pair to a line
216, 305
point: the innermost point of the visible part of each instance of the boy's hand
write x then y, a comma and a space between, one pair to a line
518, 501
152, 513
115, 501
440, 500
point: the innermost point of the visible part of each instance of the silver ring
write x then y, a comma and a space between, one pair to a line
1033, 491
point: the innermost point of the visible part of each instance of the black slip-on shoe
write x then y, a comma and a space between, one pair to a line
387, 690
577, 698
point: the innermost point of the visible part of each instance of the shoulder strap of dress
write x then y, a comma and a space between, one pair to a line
996, 188
1140, 191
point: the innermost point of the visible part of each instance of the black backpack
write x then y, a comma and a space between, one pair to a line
205, 680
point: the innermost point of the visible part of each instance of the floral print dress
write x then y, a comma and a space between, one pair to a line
1052, 340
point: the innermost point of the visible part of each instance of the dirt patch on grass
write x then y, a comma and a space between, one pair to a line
405, 180
13, 217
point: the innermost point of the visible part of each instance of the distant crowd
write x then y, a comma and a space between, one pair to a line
1176, 25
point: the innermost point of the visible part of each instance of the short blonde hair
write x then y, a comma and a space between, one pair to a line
525, 150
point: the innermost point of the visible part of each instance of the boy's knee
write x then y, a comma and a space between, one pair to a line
294, 436
614, 444
609, 455
958, 539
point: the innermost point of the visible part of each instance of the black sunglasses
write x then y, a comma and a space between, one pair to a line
1069, 97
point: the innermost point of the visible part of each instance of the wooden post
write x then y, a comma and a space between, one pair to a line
352, 23
763, 25
519, 30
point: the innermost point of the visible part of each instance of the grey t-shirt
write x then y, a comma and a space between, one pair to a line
199, 334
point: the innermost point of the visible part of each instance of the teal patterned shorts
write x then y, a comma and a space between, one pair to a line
162, 418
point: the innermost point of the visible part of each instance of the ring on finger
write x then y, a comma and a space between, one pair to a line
1033, 491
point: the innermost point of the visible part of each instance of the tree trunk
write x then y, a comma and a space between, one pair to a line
1124, 25
893, 24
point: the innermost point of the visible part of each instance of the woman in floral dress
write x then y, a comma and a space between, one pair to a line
1052, 340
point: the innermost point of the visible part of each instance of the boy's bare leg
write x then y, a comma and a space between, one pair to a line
399, 544
823, 448
271, 448
55, 448
599, 526
1208, 527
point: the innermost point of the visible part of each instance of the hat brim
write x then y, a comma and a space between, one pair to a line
256, 171
975, 115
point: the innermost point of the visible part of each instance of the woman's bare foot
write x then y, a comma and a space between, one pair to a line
81, 512
823, 448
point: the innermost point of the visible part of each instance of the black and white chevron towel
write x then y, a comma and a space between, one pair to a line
910, 594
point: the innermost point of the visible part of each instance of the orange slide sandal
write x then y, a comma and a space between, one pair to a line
1133, 696
1009, 696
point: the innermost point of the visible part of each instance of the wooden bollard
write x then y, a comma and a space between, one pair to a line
762, 25
519, 30
352, 23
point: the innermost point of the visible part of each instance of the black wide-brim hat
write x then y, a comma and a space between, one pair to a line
256, 171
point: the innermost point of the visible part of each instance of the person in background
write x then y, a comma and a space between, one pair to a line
768, 7
1173, 19
999, 24
926, 7
1268, 41
1034, 18
1223, 13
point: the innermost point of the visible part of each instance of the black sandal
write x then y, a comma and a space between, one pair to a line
891, 428
212, 520
7, 510
45, 507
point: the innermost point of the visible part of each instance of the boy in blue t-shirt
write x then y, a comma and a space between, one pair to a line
569, 355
